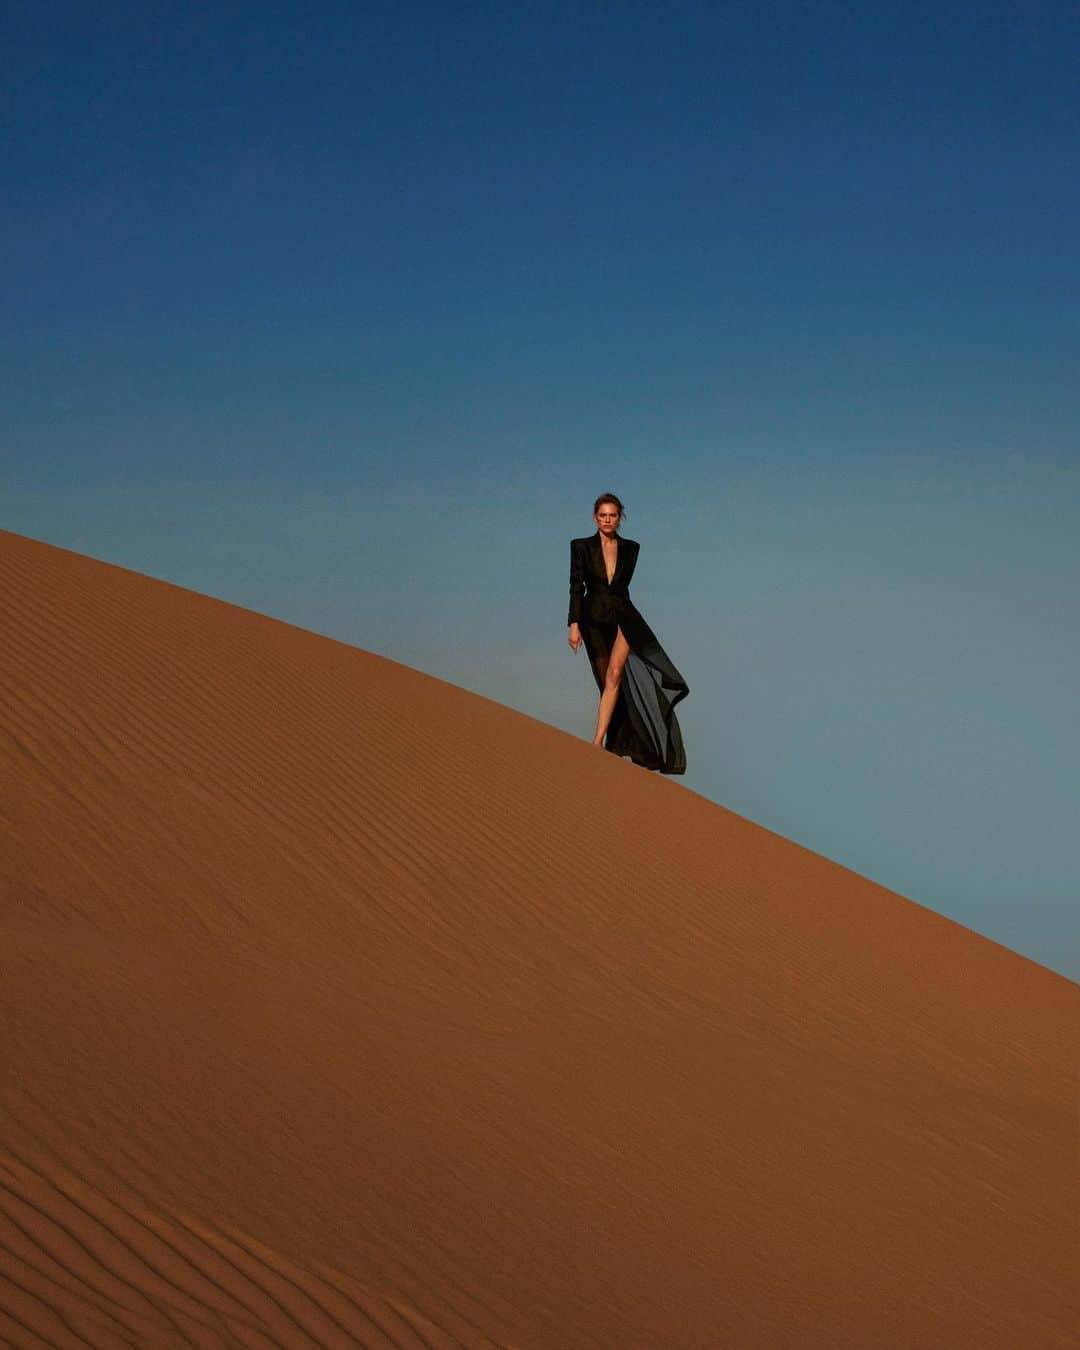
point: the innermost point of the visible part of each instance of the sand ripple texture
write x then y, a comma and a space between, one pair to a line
323, 1025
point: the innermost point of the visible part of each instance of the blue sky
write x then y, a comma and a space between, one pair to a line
347, 313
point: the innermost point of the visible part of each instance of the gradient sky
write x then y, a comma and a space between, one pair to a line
346, 313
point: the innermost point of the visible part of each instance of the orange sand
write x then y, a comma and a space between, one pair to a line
321, 1027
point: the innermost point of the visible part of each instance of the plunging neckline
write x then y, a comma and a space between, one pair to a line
603, 560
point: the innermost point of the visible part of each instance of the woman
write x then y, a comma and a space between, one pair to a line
639, 686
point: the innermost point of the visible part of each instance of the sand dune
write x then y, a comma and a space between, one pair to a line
322, 1026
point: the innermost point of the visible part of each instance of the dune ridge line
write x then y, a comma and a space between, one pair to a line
323, 1026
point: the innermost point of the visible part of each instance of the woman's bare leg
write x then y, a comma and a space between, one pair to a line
620, 650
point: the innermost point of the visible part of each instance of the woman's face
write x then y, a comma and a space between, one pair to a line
607, 519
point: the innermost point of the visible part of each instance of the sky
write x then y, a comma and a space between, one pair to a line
346, 313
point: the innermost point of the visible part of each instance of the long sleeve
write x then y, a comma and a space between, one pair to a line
577, 581
631, 561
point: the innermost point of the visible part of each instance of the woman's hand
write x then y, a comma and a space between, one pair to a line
574, 637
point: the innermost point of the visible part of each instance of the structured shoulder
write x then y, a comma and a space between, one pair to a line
577, 543
630, 543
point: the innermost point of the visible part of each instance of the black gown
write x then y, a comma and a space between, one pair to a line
643, 725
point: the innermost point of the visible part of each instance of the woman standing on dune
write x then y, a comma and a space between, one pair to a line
639, 686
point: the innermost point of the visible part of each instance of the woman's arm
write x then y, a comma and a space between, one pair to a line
631, 561
577, 582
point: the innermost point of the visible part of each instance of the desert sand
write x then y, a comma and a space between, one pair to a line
321, 1026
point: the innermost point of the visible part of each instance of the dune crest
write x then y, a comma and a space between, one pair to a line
321, 1027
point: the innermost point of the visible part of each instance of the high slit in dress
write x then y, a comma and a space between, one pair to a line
643, 724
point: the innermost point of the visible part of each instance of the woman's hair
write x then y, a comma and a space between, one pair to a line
609, 497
